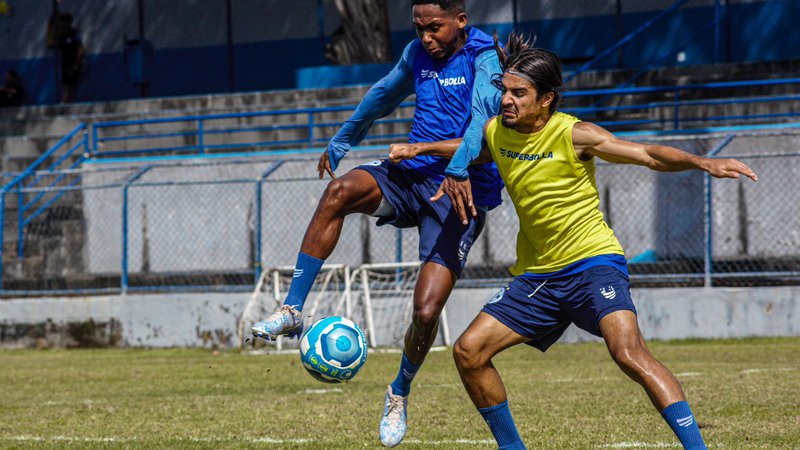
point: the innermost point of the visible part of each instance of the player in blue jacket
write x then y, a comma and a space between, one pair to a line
449, 68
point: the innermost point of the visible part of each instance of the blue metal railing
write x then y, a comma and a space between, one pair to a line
35, 173
49, 164
677, 104
202, 132
135, 180
127, 132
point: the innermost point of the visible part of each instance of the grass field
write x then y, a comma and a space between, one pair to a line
745, 394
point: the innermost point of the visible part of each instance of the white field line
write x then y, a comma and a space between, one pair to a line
573, 380
321, 391
262, 440
71, 403
782, 369
287, 351
452, 442
688, 374
439, 348
290, 351
642, 445
444, 385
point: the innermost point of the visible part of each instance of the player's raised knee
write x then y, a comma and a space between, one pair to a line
338, 194
427, 316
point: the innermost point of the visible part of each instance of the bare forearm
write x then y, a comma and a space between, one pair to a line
444, 149
671, 159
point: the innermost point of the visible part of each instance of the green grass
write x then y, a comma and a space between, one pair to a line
745, 394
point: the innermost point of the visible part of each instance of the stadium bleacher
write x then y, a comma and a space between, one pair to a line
55, 240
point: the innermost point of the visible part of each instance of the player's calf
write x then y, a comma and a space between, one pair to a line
628, 349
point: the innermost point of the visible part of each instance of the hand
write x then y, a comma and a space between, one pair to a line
324, 165
729, 168
400, 152
460, 193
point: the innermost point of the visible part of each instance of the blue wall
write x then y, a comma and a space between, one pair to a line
754, 31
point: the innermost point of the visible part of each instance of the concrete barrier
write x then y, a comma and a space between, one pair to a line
210, 320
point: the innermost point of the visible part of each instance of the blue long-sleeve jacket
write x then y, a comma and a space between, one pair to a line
454, 98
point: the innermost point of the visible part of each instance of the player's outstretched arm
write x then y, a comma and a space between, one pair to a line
401, 151
382, 98
590, 139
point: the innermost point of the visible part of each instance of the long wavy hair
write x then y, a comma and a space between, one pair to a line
541, 67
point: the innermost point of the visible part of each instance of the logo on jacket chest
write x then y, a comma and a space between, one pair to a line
426, 74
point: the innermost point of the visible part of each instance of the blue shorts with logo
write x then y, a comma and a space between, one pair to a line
443, 239
543, 309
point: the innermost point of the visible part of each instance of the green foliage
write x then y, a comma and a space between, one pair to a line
744, 394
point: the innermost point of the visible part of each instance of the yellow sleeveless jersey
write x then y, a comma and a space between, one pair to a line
555, 195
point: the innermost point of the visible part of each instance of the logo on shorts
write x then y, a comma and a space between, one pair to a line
608, 292
463, 249
497, 297
377, 162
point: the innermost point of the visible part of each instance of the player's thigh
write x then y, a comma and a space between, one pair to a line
485, 337
355, 191
530, 308
595, 293
620, 330
444, 240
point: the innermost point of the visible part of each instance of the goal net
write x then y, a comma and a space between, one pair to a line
379, 298
386, 292
330, 295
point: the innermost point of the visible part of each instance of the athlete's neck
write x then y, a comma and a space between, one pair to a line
533, 127
459, 44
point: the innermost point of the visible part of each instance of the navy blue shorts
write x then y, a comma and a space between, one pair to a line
542, 310
443, 239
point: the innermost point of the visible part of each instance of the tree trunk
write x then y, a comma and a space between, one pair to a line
363, 36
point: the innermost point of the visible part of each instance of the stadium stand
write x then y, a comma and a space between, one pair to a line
59, 233
207, 192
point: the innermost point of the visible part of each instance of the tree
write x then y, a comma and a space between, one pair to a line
363, 36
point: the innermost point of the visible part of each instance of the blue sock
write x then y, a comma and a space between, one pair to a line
408, 370
305, 272
499, 419
680, 418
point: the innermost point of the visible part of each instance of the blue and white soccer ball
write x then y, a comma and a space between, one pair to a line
333, 349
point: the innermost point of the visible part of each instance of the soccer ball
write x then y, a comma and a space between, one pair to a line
333, 349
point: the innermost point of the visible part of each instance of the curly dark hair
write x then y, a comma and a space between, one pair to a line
541, 67
448, 6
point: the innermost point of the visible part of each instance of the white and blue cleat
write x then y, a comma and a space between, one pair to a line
393, 423
286, 321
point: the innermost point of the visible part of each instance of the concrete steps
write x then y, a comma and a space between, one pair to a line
31, 130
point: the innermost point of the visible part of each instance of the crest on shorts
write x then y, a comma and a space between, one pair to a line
463, 249
497, 297
608, 292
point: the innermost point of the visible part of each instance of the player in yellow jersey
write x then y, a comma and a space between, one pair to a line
570, 267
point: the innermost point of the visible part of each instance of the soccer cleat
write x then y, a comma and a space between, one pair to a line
285, 321
393, 423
